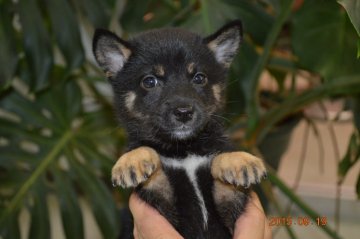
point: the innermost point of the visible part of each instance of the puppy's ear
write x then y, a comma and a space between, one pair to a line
110, 51
225, 42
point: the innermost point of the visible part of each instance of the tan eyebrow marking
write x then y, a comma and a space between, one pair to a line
191, 68
159, 70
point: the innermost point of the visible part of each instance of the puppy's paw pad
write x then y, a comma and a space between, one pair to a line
135, 167
238, 168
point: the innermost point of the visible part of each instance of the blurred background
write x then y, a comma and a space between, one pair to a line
293, 99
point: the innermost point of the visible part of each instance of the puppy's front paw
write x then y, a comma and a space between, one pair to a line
135, 167
238, 168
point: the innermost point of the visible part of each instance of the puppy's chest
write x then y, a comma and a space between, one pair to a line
191, 184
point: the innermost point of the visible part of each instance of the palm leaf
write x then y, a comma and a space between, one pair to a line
52, 126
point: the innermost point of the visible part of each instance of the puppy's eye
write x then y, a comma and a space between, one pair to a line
199, 79
149, 82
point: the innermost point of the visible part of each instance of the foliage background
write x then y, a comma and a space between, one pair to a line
58, 135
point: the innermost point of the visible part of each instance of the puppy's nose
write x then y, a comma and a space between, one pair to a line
184, 114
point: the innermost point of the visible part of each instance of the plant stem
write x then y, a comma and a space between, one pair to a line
35, 175
181, 14
254, 77
347, 85
170, 4
302, 205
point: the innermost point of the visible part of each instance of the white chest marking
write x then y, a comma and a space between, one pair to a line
191, 164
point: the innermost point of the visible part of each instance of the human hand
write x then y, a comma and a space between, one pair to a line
252, 224
149, 224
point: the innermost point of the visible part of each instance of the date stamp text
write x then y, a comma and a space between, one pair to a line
276, 221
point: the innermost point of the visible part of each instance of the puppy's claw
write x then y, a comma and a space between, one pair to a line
135, 167
238, 169
114, 183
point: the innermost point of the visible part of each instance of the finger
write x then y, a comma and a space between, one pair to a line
251, 224
136, 236
149, 224
255, 199
268, 233
136, 233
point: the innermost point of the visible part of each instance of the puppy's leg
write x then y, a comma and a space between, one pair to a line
238, 169
234, 173
141, 168
135, 167
230, 202
158, 192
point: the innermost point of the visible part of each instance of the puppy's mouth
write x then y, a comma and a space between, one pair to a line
183, 132
177, 130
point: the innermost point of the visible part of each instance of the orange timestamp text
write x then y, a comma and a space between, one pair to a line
275, 221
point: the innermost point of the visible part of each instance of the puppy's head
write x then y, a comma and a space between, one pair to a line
168, 83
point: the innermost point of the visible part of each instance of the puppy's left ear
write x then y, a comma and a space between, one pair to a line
225, 42
110, 51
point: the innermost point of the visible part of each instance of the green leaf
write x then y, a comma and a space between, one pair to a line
149, 14
71, 95
356, 112
97, 11
8, 54
69, 206
352, 7
92, 132
11, 228
256, 19
100, 200
238, 80
253, 106
93, 156
351, 157
24, 108
358, 187
65, 27
37, 44
40, 222
324, 40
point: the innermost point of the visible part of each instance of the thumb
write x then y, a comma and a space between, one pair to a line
252, 224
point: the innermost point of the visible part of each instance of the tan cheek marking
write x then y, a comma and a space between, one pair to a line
191, 68
159, 70
217, 92
130, 100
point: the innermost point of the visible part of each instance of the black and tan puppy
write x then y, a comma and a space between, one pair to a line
169, 89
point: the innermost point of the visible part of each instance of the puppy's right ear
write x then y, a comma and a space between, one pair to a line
225, 42
110, 52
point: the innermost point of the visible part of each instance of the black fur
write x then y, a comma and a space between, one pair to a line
149, 118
